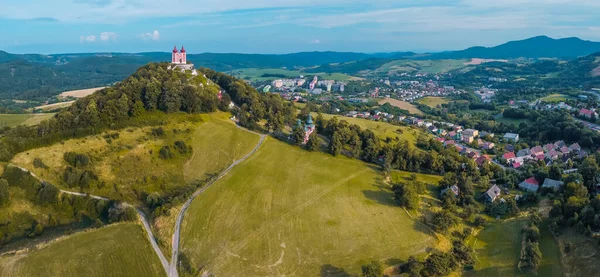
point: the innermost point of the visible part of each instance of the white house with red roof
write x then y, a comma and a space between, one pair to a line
587, 113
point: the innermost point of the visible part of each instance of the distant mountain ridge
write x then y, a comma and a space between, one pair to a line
535, 47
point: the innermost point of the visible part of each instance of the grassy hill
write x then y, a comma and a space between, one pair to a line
12, 120
286, 211
115, 250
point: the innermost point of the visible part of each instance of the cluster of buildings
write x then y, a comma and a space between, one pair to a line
486, 94
529, 185
315, 86
552, 152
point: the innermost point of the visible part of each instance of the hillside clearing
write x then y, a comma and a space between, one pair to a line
401, 104
556, 97
115, 250
12, 120
286, 211
54, 106
381, 129
433, 102
79, 93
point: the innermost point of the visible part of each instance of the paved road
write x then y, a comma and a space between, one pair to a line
141, 214
176, 234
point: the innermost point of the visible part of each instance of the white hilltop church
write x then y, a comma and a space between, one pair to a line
179, 61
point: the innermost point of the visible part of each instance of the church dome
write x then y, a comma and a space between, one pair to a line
182, 49
175, 49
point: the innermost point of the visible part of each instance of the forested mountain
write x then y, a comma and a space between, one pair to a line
536, 47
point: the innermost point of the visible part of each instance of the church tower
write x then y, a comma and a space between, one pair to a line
182, 56
175, 55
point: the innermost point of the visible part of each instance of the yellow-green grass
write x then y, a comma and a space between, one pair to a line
12, 120
582, 259
54, 106
426, 66
130, 163
116, 250
401, 104
381, 129
498, 248
432, 101
287, 211
556, 97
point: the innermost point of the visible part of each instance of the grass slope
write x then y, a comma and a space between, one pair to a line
115, 250
12, 120
498, 248
381, 129
433, 101
286, 211
401, 104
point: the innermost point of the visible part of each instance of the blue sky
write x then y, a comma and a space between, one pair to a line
284, 26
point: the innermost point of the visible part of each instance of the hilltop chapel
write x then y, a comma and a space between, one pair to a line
179, 60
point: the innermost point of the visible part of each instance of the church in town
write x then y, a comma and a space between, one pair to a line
179, 60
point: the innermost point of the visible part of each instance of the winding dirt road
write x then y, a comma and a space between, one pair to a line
175, 242
142, 216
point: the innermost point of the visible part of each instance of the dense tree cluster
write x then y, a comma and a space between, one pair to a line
64, 209
531, 256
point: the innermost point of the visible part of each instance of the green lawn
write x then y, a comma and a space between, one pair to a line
434, 101
498, 247
425, 66
555, 98
381, 129
501, 119
115, 250
12, 120
287, 211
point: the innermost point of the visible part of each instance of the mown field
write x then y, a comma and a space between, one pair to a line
116, 250
401, 104
287, 211
12, 120
425, 66
381, 129
434, 101
498, 246
556, 97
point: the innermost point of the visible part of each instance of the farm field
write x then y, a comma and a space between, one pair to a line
501, 119
256, 74
54, 106
401, 104
287, 211
116, 250
582, 260
12, 120
79, 93
380, 129
498, 246
434, 101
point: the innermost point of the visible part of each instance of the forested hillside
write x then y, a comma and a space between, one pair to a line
151, 88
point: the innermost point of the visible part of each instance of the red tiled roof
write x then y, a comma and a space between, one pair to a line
516, 165
509, 155
586, 111
532, 181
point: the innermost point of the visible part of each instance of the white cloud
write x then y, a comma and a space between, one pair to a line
155, 35
315, 41
108, 36
90, 38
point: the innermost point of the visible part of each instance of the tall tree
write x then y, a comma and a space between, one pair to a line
313, 142
4, 193
335, 145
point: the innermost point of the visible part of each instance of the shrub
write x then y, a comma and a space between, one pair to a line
76, 159
182, 147
38, 163
158, 132
165, 153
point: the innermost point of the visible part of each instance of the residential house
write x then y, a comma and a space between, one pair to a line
472, 155
559, 144
511, 137
442, 140
575, 147
482, 160
552, 184
493, 193
516, 165
479, 142
488, 145
510, 156
524, 152
565, 150
536, 151
454, 189
509, 148
469, 135
552, 154
448, 142
530, 184
549, 147
587, 113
